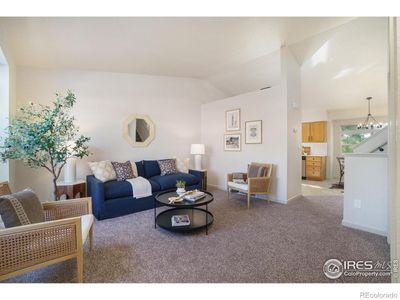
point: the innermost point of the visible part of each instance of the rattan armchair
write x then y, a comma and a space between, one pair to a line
61, 237
252, 186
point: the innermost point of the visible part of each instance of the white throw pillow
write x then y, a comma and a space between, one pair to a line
182, 164
103, 170
134, 169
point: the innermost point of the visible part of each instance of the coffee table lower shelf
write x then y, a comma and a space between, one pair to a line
199, 218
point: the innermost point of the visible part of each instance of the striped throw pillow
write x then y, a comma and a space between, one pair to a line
256, 171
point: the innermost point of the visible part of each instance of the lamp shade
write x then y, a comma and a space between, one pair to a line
197, 149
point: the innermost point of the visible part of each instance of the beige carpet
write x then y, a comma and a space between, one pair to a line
268, 243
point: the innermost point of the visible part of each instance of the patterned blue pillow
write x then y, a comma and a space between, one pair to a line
123, 170
167, 166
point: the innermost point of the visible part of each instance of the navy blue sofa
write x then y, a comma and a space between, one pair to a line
115, 198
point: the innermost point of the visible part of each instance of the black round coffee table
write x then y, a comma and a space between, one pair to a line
199, 217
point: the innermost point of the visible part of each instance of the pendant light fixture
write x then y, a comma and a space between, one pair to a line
370, 122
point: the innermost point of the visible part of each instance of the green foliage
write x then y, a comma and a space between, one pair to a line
180, 184
351, 136
45, 136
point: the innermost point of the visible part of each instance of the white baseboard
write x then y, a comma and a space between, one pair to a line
217, 187
364, 228
261, 197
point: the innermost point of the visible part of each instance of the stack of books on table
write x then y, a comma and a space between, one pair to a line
196, 195
180, 220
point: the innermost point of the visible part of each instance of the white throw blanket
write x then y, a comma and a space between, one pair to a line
141, 187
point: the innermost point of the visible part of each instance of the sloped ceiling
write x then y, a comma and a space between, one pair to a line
344, 65
188, 47
343, 60
262, 72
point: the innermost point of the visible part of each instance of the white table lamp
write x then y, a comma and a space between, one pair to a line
198, 150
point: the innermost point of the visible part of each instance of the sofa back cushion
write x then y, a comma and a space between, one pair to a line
21, 208
151, 168
169, 182
140, 168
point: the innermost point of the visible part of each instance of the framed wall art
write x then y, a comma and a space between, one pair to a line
232, 120
232, 142
253, 131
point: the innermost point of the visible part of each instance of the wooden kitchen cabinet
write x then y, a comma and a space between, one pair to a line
316, 167
305, 132
314, 132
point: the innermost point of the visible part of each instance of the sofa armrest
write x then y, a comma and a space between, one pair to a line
200, 175
95, 190
56, 210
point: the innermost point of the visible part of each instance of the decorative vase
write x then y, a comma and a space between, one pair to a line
180, 191
70, 170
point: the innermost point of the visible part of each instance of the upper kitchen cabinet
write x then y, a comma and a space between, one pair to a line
314, 132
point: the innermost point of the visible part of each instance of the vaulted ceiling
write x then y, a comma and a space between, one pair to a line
342, 59
189, 47
344, 65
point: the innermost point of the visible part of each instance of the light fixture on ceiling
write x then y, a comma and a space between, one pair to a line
370, 122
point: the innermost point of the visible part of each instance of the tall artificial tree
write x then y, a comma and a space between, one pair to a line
45, 136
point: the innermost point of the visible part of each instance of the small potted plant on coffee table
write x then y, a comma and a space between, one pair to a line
180, 187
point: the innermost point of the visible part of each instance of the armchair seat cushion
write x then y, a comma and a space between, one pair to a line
238, 186
119, 189
167, 182
86, 223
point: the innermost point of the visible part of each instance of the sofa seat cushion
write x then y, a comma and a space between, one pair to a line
117, 189
167, 182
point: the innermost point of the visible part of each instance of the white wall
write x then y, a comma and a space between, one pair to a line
358, 112
365, 203
104, 100
291, 82
280, 110
266, 105
314, 115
